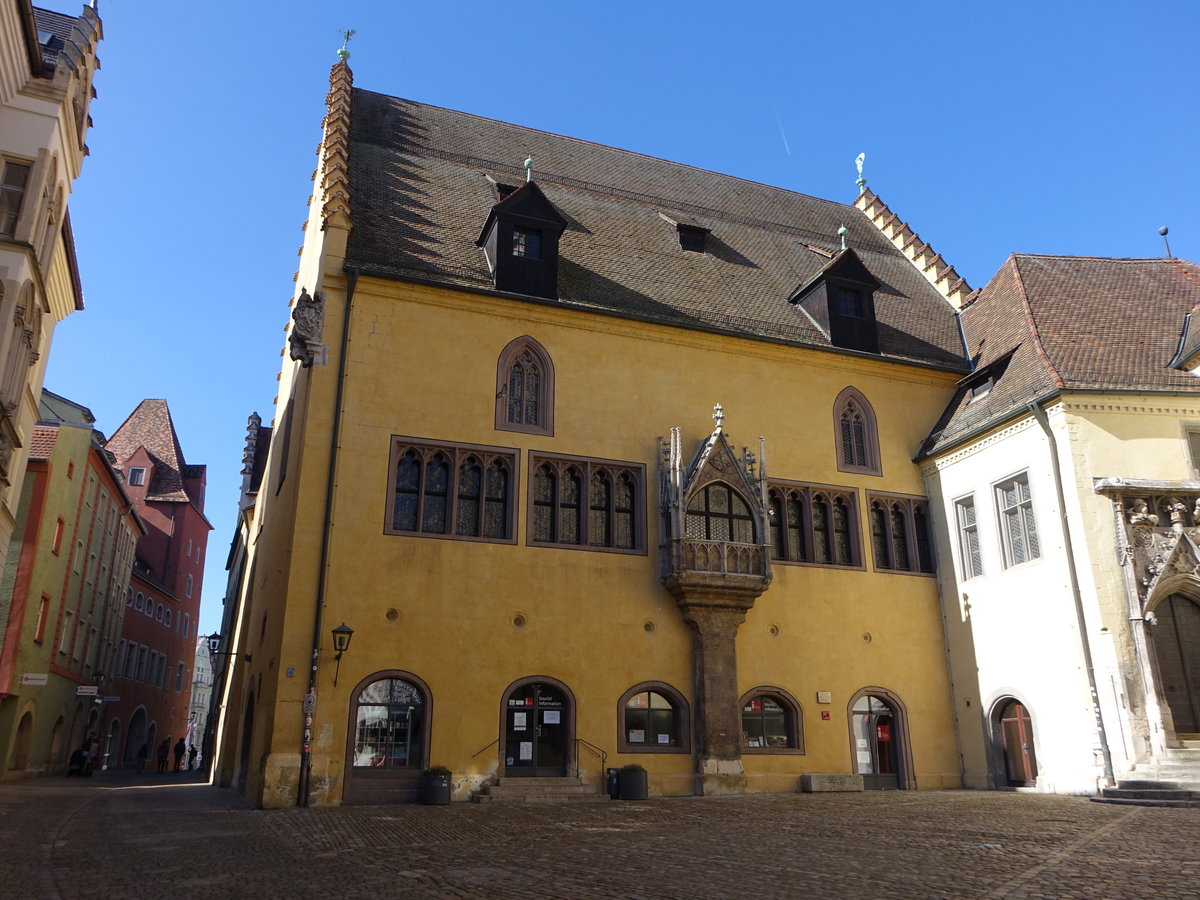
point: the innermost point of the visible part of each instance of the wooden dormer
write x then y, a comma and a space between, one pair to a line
520, 240
841, 301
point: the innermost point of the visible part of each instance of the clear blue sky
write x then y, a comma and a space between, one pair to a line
1037, 127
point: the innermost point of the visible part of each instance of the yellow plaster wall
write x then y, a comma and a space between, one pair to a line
422, 363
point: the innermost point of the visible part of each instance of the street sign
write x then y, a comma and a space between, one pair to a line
86, 690
111, 699
35, 678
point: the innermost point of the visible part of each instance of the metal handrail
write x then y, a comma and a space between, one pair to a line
598, 751
481, 749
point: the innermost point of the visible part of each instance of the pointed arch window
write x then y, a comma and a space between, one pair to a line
814, 525
446, 490
586, 503
719, 513
857, 435
900, 533
525, 388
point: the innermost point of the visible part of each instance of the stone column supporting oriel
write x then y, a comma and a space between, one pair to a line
715, 565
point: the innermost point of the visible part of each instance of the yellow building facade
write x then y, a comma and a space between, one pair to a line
597, 475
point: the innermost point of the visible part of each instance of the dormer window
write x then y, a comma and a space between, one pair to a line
527, 243
850, 302
691, 237
840, 300
520, 241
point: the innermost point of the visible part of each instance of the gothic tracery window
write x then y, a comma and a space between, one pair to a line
856, 433
525, 388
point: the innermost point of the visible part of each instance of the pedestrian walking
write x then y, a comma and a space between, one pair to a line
161, 754
180, 749
192, 754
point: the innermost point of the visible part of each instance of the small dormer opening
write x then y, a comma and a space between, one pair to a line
527, 242
691, 237
850, 302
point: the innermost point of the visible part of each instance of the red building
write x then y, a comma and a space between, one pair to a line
153, 677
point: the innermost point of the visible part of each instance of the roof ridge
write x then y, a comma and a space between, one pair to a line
1038, 345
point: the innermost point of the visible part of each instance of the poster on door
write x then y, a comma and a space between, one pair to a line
551, 717
519, 721
526, 751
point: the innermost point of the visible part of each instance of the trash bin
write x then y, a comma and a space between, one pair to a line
614, 783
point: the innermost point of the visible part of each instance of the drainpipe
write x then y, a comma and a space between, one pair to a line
306, 751
1040, 414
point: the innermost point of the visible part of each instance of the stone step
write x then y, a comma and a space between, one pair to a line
537, 790
1123, 801
1157, 792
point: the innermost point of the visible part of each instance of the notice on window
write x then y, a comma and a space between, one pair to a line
519, 721
637, 737
526, 750
551, 717
664, 739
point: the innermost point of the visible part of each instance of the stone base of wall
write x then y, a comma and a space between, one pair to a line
819, 783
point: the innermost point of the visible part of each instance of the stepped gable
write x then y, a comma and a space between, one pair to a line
1047, 323
424, 180
150, 426
939, 273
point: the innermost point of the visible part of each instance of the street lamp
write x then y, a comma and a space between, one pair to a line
341, 643
214, 647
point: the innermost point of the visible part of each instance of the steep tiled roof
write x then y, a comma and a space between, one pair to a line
1077, 323
150, 426
420, 193
58, 27
41, 445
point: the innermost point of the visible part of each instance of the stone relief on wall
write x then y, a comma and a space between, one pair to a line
308, 321
1161, 538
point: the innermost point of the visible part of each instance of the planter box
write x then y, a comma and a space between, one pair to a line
633, 785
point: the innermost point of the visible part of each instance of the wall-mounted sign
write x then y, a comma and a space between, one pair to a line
824, 697
86, 690
310, 703
551, 717
35, 678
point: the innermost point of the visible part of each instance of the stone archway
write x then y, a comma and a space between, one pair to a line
23, 743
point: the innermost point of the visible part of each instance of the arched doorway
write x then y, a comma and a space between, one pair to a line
387, 744
20, 758
54, 752
879, 738
138, 748
538, 722
1176, 640
1014, 729
112, 747
243, 771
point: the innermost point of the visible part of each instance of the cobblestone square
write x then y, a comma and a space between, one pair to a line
173, 836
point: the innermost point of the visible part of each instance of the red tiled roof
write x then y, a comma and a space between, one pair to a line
42, 443
150, 426
1071, 323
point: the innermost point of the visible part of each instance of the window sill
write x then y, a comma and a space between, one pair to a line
772, 751
549, 545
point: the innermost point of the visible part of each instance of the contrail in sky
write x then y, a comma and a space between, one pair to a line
779, 122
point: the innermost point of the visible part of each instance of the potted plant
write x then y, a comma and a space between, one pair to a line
435, 786
632, 780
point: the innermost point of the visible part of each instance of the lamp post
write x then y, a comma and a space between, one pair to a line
214, 648
341, 643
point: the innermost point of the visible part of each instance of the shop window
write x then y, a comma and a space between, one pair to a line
389, 725
587, 504
771, 722
444, 490
653, 718
525, 388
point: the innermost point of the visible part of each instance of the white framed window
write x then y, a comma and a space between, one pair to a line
1191, 433
187, 586
137, 476
14, 178
187, 624
1018, 527
968, 537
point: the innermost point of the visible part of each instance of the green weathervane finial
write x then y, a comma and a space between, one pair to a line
529, 168
860, 181
841, 232
343, 53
